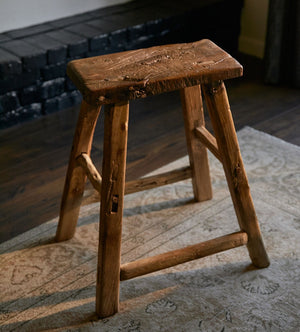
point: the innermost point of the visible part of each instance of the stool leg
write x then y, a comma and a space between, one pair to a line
193, 115
112, 196
76, 177
220, 114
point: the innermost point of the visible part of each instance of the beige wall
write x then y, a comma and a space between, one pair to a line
16, 14
254, 25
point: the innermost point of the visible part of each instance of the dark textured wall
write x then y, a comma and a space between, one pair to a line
33, 60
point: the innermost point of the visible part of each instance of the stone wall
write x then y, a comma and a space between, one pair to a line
33, 60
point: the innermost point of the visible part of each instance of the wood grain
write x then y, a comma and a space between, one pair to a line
140, 73
76, 177
111, 211
193, 116
149, 182
158, 180
91, 171
220, 114
208, 140
179, 256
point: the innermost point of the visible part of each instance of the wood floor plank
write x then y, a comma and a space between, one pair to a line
34, 155
285, 125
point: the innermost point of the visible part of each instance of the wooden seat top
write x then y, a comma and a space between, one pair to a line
117, 77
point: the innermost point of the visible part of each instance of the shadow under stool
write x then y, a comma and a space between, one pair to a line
112, 80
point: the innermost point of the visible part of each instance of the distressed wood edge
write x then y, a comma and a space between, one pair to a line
140, 90
111, 208
145, 88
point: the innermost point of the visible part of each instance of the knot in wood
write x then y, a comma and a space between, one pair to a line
77, 190
138, 92
237, 173
215, 88
124, 126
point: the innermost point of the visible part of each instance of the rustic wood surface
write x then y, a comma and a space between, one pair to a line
193, 116
91, 171
221, 118
158, 180
111, 212
133, 186
140, 73
76, 176
179, 256
208, 140
146, 183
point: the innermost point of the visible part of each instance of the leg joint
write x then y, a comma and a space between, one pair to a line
214, 87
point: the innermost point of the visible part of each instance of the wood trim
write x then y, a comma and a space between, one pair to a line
179, 256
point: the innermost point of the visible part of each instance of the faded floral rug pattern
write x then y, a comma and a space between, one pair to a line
51, 286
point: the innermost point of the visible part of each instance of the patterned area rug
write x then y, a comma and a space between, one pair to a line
51, 286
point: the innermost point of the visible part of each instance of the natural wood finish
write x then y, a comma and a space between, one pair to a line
193, 115
208, 140
92, 173
179, 256
149, 182
140, 73
112, 197
220, 114
76, 177
158, 180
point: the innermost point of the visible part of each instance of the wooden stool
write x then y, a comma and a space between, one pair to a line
113, 80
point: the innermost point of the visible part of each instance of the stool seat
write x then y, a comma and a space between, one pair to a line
140, 73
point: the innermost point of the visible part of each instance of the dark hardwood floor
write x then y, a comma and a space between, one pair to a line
34, 155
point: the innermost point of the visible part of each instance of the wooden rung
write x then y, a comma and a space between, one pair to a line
92, 196
86, 163
208, 140
175, 257
158, 180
